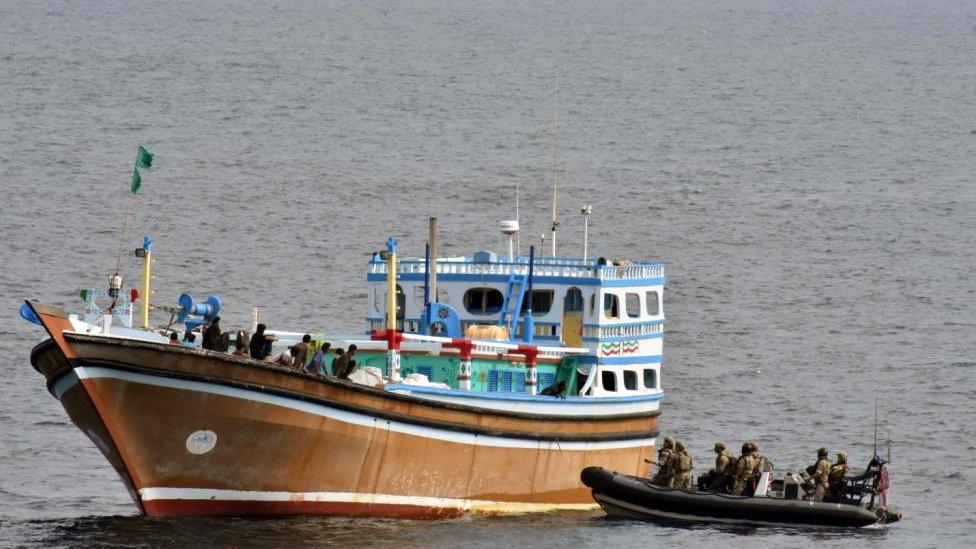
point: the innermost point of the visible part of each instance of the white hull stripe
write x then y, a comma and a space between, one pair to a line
198, 494
364, 420
560, 408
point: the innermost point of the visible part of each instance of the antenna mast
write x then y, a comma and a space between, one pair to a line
555, 148
518, 235
876, 427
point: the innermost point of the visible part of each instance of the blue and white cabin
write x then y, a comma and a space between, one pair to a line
614, 309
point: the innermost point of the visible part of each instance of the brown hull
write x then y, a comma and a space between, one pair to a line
199, 433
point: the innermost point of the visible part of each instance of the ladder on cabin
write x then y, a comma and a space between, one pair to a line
512, 306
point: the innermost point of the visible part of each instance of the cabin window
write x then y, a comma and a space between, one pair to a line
650, 378
630, 380
541, 302
632, 302
609, 379
592, 303
574, 301
483, 301
611, 306
653, 303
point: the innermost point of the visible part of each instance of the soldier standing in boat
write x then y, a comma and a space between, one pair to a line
745, 468
836, 476
681, 465
663, 475
820, 475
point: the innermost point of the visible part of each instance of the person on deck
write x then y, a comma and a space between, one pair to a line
346, 364
556, 389
301, 351
340, 352
261, 343
211, 336
317, 366
174, 338
241, 345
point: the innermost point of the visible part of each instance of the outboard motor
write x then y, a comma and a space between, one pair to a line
791, 486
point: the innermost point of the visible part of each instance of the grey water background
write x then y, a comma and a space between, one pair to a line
804, 168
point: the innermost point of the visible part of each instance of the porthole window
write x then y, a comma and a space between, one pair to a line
609, 379
653, 302
483, 301
630, 380
650, 378
632, 302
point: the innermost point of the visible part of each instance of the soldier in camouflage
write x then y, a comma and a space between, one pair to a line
745, 468
663, 475
680, 463
820, 475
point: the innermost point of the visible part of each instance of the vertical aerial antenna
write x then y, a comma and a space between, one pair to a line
518, 235
876, 427
555, 148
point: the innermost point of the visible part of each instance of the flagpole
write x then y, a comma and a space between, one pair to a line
125, 228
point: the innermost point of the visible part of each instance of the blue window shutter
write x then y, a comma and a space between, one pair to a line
545, 380
520, 382
493, 381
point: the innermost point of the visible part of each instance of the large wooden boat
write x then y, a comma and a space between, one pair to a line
200, 432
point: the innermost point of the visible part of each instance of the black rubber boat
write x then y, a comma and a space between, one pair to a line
634, 497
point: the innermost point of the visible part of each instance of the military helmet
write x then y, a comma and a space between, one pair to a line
719, 446
746, 448
754, 445
841, 457
668, 442
822, 452
679, 446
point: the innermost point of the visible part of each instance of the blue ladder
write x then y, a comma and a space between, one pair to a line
512, 306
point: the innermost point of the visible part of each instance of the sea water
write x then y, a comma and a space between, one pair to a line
804, 168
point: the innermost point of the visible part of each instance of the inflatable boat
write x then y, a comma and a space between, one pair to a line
773, 503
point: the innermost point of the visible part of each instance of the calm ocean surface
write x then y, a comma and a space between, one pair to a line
804, 168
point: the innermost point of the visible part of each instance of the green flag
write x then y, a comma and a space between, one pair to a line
136, 180
144, 158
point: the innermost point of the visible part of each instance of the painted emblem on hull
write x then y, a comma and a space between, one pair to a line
201, 442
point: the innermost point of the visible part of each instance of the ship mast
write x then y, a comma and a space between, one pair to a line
555, 148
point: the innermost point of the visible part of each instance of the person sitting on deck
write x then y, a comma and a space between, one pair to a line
301, 351
346, 363
241, 345
556, 389
261, 343
211, 336
317, 366
284, 358
337, 358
